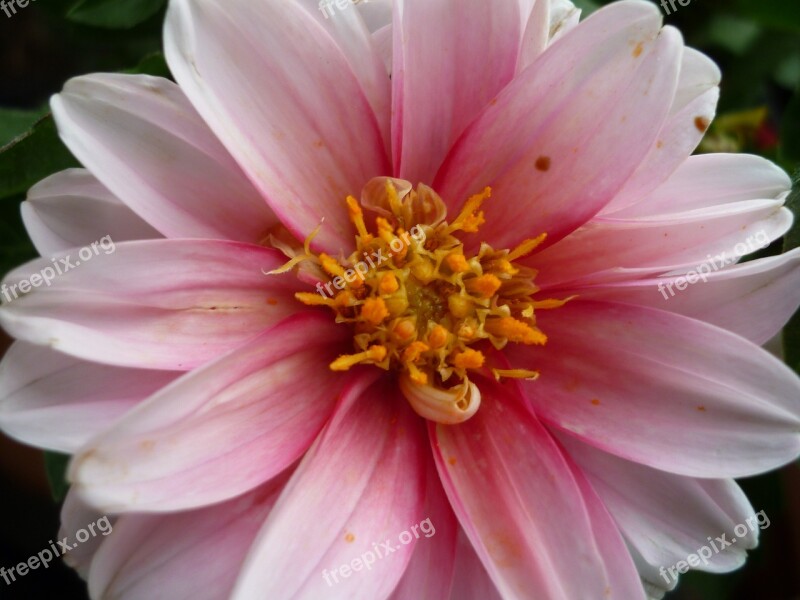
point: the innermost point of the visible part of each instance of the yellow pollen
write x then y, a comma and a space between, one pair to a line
374, 311
405, 329
515, 331
374, 354
357, 217
457, 263
468, 359
438, 337
388, 284
331, 265
413, 352
470, 218
484, 286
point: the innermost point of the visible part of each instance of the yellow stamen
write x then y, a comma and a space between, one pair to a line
374, 354
357, 217
526, 247
457, 263
405, 329
374, 311
470, 218
331, 266
469, 359
551, 303
413, 352
438, 337
516, 374
484, 286
388, 284
515, 331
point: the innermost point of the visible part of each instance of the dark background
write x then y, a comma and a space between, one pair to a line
756, 42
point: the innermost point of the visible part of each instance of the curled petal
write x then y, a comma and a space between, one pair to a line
449, 407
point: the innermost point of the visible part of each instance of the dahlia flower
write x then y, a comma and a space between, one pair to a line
402, 265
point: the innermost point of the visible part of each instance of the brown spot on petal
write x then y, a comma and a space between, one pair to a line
452, 460
319, 144
702, 124
543, 163
637, 51
493, 101
272, 301
659, 144
349, 538
595, 402
701, 409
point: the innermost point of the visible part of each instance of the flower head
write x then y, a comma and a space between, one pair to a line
397, 265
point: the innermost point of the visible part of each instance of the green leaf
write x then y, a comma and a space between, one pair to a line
31, 157
14, 123
56, 467
114, 14
153, 64
778, 14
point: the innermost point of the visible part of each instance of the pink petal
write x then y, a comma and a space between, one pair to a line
72, 209
471, 581
709, 180
754, 299
692, 111
161, 304
663, 390
450, 59
77, 515
221, 430
181, 556
360, 486
668, 517
282, 96
554, 149
660, 243
521, 506
58, 402
142, 139
431, 570
352, 33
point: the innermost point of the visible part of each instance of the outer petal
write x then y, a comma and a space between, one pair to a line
143, 140
221, 430
708, 180
431, 570
162, 304
692, 111
282, 96
58, 402
72, 209
556, 149
661, 243
663, 390
754, 299
522, 507
668, 517
450, 59
360, 486
157, 556
77, 515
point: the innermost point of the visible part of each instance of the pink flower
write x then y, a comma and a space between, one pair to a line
588, 384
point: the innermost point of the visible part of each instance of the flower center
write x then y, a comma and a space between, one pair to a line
418, 303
